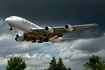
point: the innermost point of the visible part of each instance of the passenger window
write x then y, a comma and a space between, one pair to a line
23, 20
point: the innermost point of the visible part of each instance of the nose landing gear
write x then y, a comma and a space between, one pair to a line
10, 28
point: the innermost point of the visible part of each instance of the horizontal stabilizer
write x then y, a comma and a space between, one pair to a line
68, 39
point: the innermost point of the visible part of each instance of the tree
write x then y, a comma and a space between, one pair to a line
16, 63
60, 65
69, 68
94, 63
53, 64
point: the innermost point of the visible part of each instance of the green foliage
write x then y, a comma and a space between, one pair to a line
16, 63
56, 66
69, 68
53, 64
60, 65
94, 63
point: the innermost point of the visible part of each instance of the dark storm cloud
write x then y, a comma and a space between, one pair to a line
58, 13
50, 12
75, 12
91, 45
55, 13
92, 32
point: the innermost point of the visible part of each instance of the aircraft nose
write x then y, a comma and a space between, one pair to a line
7, 19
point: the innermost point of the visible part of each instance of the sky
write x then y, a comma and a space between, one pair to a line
54, 13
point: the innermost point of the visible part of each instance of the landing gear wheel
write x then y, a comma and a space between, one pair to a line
11, 29
40, 41
15, 39
33, 41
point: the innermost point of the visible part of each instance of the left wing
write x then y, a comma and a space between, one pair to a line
59, 30
28, 38
24, 37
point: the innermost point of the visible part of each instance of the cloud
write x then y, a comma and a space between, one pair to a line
72, 52
90, 45
76, 53
54, 13
3, 61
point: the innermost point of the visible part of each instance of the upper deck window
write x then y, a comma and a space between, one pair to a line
23, 20
29, 23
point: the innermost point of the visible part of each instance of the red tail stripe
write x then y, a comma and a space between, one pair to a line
57, 37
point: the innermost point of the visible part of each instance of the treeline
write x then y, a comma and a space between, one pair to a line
57, 65
17, 63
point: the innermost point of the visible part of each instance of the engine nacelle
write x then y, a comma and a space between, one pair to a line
68, 27
49, 29
19, 38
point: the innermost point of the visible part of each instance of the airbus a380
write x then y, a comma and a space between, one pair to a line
33, 32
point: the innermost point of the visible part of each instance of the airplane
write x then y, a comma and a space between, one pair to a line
33, 32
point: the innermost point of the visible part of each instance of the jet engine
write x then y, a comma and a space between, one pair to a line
68, 27
49, 29
19, 38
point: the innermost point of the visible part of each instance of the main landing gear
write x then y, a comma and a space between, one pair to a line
10, 28
33, 41
40, 41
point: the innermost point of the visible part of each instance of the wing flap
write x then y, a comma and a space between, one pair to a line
42, 32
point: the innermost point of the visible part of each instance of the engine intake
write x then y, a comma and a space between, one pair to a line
19, 38
49, 29
68, 27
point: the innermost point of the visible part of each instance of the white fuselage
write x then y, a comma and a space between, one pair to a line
26, 26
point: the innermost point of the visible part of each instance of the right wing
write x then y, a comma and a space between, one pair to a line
84, 26
59, 30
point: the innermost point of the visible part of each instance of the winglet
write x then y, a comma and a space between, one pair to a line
95, 24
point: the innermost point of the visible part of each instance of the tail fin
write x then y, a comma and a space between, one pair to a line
69, 39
